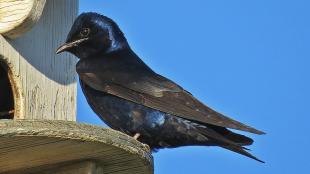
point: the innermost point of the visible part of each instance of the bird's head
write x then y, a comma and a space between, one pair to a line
93, 34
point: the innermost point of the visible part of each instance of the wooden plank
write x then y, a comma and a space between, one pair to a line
44, 83
73, 167
18, 16
85, 167
31, 145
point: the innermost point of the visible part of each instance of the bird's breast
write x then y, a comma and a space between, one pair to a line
124, 115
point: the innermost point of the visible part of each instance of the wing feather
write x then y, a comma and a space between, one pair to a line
162, 94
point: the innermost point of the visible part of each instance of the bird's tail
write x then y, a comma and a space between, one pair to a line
238, 139
229, 140
241, 150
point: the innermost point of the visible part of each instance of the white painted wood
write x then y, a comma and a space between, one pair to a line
45, 83
18, 16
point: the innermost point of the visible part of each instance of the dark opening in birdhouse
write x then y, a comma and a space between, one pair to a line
6, 93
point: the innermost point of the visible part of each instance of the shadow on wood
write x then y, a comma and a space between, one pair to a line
6, 94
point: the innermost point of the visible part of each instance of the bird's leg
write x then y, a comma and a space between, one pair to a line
136, 136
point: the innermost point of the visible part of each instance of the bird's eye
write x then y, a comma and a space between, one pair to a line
85, 32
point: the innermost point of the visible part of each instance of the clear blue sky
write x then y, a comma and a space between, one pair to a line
247, 59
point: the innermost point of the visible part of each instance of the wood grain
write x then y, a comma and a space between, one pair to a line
31, 144
44, 83
19, 16
83, 167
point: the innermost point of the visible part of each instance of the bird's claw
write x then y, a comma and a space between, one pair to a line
136, 136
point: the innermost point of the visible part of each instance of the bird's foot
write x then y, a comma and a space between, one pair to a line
147, 147
136, 136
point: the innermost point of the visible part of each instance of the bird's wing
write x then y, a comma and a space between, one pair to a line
154, 85
159, 93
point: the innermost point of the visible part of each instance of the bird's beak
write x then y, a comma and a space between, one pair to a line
69, 45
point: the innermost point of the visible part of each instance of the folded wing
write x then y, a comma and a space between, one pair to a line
157, 92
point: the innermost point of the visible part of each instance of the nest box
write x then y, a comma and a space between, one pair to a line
38, 90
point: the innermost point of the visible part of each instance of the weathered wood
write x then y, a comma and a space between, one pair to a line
27, 145
44, 83
85, 167
73, 167
18, 16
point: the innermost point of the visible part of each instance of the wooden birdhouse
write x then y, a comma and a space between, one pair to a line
38, 90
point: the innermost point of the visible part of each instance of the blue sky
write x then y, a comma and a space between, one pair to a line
247, 59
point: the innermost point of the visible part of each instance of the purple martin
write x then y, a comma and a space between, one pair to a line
130, 97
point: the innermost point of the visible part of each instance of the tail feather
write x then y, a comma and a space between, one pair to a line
239, 139
236, 138
211, 133
228, 140
241, 151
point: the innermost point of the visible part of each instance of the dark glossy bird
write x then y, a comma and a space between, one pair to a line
130, 97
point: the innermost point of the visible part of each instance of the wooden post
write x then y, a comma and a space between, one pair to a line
38, 95
44, 83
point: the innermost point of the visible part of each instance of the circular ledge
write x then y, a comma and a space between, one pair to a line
32, 143
18, 16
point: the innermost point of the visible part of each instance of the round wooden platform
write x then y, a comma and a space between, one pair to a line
28, 144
